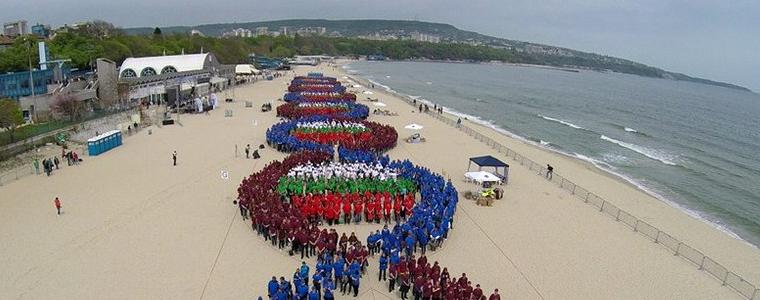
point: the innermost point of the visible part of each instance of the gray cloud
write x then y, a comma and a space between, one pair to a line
718, 40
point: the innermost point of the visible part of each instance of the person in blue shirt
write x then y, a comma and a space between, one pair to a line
286, 287
303, 272
423, 238
338, 269
383, 265
317, 281
302, 290
410, 247
355, 277
272, 287
314, 294
281, 295
328, 288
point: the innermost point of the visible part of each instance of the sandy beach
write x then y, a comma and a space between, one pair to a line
134, 227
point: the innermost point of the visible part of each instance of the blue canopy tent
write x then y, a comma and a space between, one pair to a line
490, 161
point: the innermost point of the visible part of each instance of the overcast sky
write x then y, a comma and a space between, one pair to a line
718, 39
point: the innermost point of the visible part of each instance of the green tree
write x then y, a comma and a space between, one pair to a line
157, 31
10, 116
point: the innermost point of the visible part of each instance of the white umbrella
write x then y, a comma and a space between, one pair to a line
367, 93
413, 126
379, 104
357, 85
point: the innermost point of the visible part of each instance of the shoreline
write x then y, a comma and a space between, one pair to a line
589, 163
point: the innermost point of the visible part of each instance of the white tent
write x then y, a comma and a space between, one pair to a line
481, 176
246, 70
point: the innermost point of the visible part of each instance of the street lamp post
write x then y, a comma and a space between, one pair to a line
31, 76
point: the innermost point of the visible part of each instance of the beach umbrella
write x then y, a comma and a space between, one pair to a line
380, 104
367, 92
357, 85
413, 126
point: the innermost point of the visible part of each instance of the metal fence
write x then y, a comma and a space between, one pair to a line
16, 174
670, 243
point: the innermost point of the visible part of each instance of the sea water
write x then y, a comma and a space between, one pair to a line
695, 146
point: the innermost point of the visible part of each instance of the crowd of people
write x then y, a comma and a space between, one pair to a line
341, 109
316, 87
287, 136
289, 201
318, 96
51, 164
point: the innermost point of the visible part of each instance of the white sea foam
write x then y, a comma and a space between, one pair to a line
651, 153
566, 123
630, 129
429, 82
545, 143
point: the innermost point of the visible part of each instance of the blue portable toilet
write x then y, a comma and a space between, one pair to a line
91, 147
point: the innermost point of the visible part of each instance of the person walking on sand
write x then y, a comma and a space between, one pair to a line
549, 171
174, 157
56, 162
57, 203
247, 151
459, 122
36, 166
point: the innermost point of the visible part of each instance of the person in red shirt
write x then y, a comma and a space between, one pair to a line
387, 209
397, 208
57, 203
346, 210
358, 210
369, 214
495, 295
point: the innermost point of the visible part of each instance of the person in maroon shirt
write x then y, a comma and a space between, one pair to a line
445, 277
313, 236
463, 280
419, 281
467, 290
477, 292
495, 295
411, 264
437, 293
303, 241
422, 261
427, 289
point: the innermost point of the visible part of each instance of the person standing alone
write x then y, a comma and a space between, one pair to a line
57, 203
174, 157
549, 171
247, 151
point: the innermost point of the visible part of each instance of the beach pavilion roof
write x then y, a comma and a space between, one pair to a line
488, 161
156, 65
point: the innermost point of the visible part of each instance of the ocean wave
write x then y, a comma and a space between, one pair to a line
544, 143
628, 129
653, 154
566, 123
641, 184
